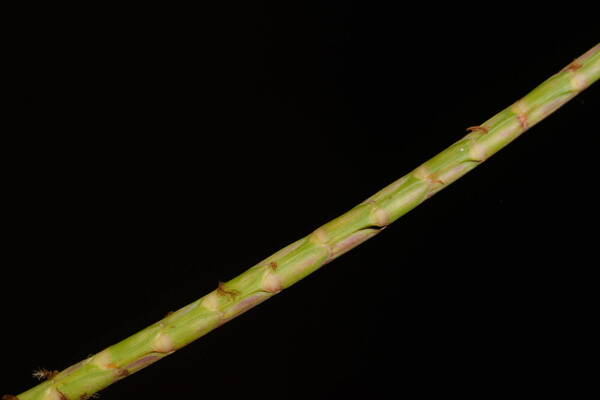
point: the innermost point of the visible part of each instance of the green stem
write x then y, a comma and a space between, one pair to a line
328, 242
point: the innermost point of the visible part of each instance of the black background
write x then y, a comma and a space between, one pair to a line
161, 151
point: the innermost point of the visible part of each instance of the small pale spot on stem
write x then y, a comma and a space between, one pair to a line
272, 282
422, 172
521, 109
319, 236
163, 343
54, 394
103, 360
211, 301
579, 82
478, 152
380, 216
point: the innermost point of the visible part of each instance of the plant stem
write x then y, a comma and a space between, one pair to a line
299, 259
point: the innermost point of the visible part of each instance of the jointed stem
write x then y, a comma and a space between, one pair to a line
328, 242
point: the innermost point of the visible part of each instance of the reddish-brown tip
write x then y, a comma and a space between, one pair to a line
122, 373
476, 128
574, 66
223, 291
